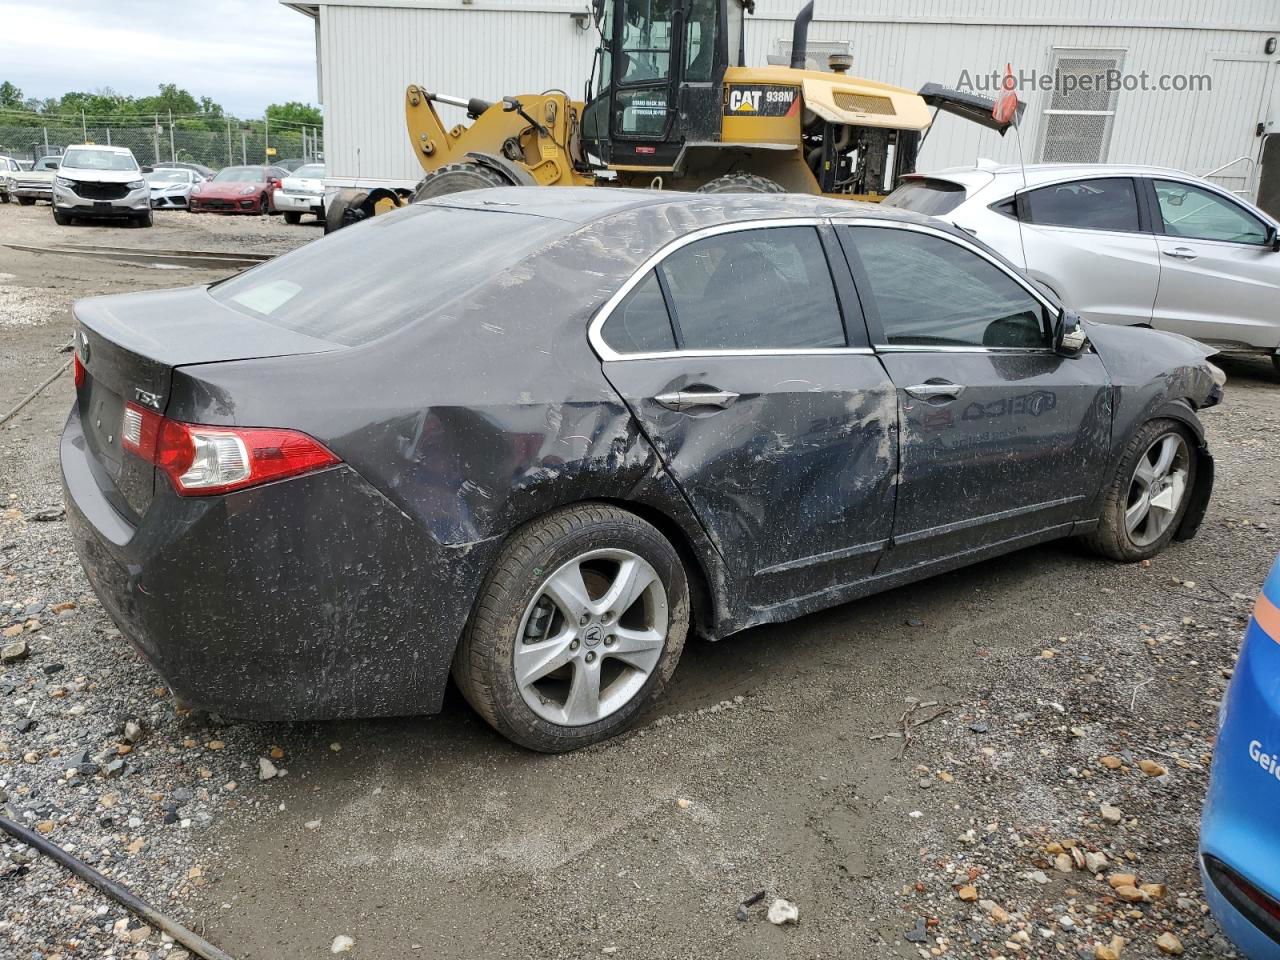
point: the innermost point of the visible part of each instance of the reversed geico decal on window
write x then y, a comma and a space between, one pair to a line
761, 100
1269, 762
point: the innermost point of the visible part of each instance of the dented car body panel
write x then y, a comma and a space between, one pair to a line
344, 592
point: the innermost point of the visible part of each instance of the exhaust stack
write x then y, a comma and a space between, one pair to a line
800, 37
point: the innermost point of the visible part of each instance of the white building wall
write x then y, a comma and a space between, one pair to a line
371, 51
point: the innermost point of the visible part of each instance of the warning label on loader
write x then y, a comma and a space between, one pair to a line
761, 100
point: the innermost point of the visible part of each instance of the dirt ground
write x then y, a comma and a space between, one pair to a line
1030, 689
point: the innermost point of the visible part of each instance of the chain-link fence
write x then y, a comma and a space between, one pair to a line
237, 141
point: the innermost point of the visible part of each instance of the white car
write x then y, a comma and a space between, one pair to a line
301, 192
98, 182
171, 188
36, 183
1126, 245
9, 171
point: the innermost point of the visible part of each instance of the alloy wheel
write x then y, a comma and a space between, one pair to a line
1157, 489
591, 637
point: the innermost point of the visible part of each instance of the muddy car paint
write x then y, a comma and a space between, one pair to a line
447, 450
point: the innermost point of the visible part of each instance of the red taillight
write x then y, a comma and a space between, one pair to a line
77, 369
202, 460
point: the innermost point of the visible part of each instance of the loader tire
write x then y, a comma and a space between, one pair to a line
741, 183
456, 177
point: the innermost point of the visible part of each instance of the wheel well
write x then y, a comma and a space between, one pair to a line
702, 604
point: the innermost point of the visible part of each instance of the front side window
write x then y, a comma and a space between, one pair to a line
928, 291
1198, 214
700, 39
757, 289
1101, 204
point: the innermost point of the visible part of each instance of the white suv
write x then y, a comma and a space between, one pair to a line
1141, 246
96, 181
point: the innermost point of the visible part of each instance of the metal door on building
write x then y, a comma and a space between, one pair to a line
1224, 144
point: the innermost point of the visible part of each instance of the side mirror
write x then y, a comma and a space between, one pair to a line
1273, 239
1069, 338
148, 170
52, 164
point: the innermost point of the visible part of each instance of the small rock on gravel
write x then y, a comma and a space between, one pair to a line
783, 911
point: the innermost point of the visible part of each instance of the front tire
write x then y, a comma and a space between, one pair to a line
60, 218
741, 183
577, 629
26, 201
143, 219
1149, 494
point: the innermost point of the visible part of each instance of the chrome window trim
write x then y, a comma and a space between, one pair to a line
596, 325
1053, 308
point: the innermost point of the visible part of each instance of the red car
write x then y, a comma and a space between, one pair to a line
237, 190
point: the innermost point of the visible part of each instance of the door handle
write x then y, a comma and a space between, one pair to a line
688, 399
927, 391
1181, 253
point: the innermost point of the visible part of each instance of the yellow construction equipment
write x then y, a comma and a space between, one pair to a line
670, 103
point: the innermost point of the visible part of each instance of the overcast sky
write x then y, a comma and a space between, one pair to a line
244, 54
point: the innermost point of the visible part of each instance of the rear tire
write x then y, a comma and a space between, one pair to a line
522, 654
292, 217
741, 183
457, 177
1132, 527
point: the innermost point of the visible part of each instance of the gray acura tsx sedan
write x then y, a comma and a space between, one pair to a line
534, 437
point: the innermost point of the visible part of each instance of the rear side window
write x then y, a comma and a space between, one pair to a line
928, 291
640, 323
930, 197
761, 289
1100, 204
380, 276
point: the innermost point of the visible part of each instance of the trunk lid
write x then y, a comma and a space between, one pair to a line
129, 346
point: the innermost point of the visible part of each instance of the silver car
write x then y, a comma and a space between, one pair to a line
1124, 244
171, 188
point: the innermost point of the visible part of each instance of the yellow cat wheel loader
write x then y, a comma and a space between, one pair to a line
670, 103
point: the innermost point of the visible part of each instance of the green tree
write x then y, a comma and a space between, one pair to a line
295, 112
10, 96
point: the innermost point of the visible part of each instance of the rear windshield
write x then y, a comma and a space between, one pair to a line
930, 197
99, 160
380, 276
312, 171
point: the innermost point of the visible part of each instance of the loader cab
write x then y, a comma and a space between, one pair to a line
657, 77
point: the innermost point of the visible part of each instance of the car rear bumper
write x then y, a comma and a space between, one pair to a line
308, 598
1239, 827
299, 203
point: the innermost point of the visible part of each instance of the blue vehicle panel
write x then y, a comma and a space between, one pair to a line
1240, 832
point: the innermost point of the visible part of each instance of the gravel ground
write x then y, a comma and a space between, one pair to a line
962, 768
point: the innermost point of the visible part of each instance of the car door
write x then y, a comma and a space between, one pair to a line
730, 348
1090, 241
1220, 277
1000, 437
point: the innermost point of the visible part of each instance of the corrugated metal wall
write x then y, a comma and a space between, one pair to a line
370, 53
